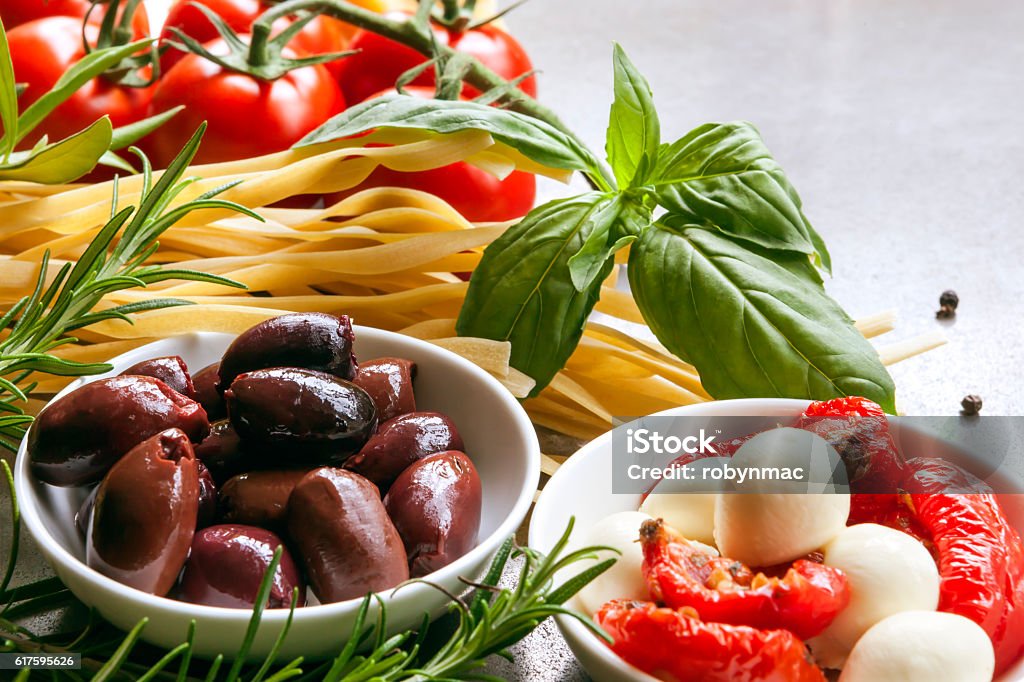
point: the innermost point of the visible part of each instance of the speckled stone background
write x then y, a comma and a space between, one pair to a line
899, 122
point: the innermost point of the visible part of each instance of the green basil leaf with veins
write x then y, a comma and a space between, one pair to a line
522, 290
534, 138
634, 132
722, 175
63, 161
749, 321
606, 236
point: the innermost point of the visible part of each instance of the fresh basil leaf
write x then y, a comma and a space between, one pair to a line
748, 322
84, 70
63, 161
534, 138
721, 175
603, 240
634, 132
522, 291
823, 259
8, 95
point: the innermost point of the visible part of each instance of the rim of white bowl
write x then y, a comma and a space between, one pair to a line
55, 552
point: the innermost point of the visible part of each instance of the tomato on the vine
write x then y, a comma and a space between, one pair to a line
322, 35
246, 116
41, 52
380, 61
18, 12
479, 196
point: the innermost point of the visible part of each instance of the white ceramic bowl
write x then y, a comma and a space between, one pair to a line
498, 435
582, 487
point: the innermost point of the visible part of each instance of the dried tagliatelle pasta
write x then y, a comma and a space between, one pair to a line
390, 258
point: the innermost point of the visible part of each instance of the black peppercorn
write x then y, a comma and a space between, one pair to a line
945, 312
949, 298
971, 405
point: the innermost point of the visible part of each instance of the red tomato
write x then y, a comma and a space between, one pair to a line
246, 116
679, 574
381, 60
673, 645
17, 12
320, 36
41, 52
476, 194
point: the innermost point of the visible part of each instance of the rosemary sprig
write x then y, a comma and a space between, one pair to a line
116, 259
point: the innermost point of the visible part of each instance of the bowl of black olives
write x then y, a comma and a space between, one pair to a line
362, 459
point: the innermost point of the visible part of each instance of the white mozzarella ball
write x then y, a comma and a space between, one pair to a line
624, 580
766, 528
922, 645
888, 572
688, 504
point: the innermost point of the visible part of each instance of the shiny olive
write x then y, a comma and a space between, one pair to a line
207, 497
78, 438
222, 452
389, 383
207, 395
435, 505
227, 564
344, 537
145, 514
84, 513
259, 498
316, 341
171, 370
400, 442
300, 416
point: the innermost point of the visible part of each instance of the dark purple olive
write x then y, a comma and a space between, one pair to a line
400, 442
207, 514
299, 416
259, 498
145, 514
435, 505
227, 565
389, 383
207, 395
84, 513
222, 453
171, 370
344, 537
78, 438
316, 341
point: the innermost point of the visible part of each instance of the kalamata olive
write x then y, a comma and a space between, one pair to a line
389, 383
171, 370
84, 513
344, 536
207, 395
435, 505
227, 564
78, 438
207, 513
299, 415
400, 442
259, 498
145, 514
222, 453
316, 341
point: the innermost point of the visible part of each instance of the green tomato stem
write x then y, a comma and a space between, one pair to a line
417, 35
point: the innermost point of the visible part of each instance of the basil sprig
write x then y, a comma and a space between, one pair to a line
728, 277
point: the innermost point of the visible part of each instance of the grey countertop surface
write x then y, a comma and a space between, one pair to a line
898, 122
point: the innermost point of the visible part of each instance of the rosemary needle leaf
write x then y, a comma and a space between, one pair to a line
118, 659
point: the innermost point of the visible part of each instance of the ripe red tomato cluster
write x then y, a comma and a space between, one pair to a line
247, 116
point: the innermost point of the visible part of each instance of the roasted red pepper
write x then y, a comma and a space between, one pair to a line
680, 574
671, 644
981, 564
859, 431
